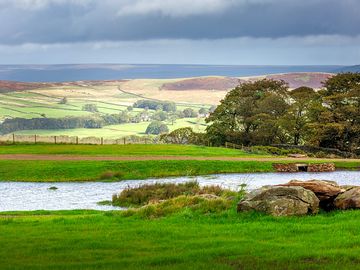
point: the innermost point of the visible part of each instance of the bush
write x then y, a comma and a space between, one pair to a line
189, 113
275, 150
90, 108
156, 128
158, 192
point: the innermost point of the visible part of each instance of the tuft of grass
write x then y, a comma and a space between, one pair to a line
182, 204
158, 192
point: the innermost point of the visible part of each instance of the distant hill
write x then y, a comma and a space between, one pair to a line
85, 72
295, 80
203, 83
349, 69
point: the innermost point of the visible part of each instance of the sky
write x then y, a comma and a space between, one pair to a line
226, 32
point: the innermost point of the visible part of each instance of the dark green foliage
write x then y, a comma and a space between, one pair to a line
184, 136
265, 113
154, 105
156, 128
249, 113
159, 116
190, 113
15, 124
275, 150
93, 121
337, 122
203, 111
90, 108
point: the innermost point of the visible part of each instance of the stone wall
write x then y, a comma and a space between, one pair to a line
324, 167
295, 167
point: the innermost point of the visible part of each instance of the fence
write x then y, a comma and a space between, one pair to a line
12, 138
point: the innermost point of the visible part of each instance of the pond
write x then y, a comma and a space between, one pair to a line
26, 196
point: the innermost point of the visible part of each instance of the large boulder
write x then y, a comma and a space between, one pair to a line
280, 201
350, 199
326, 191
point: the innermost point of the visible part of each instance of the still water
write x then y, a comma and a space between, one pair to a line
25, 196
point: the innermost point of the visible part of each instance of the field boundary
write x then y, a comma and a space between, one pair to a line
56, 157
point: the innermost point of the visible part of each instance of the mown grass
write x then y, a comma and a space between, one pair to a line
123, 150
67, 171
186, 240
61, 171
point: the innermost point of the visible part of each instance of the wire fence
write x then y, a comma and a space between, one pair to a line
38, 139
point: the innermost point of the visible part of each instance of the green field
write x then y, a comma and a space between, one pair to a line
186, 240
117, 131
125, 150
68, 171
108, 99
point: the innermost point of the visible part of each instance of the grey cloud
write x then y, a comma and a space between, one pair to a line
72, 21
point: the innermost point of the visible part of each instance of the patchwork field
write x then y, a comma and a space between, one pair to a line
44, 100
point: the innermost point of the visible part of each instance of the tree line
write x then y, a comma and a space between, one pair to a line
265, 112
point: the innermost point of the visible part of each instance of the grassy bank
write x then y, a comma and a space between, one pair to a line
187, 240
123, 150
61, 171
50, 171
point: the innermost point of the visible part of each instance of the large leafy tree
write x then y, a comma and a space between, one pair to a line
304, 101
338, 123
249, 114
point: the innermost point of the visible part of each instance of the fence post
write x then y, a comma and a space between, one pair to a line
55, 139
35, 138
77, 139
13, 138
102, 140
124, 140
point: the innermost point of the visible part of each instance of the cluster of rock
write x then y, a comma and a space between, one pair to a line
301, 198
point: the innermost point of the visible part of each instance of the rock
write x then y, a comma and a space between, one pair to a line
347, 187
280, 201
326, 191
350, 199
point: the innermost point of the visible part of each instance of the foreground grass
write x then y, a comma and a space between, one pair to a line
60, 171
187, 240
124, 150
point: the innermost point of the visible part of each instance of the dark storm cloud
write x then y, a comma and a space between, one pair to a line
71, 21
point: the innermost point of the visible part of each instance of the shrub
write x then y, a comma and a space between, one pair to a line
156, 128
157, 192
275, 150
90, 108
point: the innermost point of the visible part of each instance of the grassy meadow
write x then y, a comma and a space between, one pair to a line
185, 240
125, 150
45, 102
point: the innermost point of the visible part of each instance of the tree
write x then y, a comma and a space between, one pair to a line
337, 124
249, 114
203, 111
160, 116
179, 136
90, 108
156, 128
190, 113
297, 118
